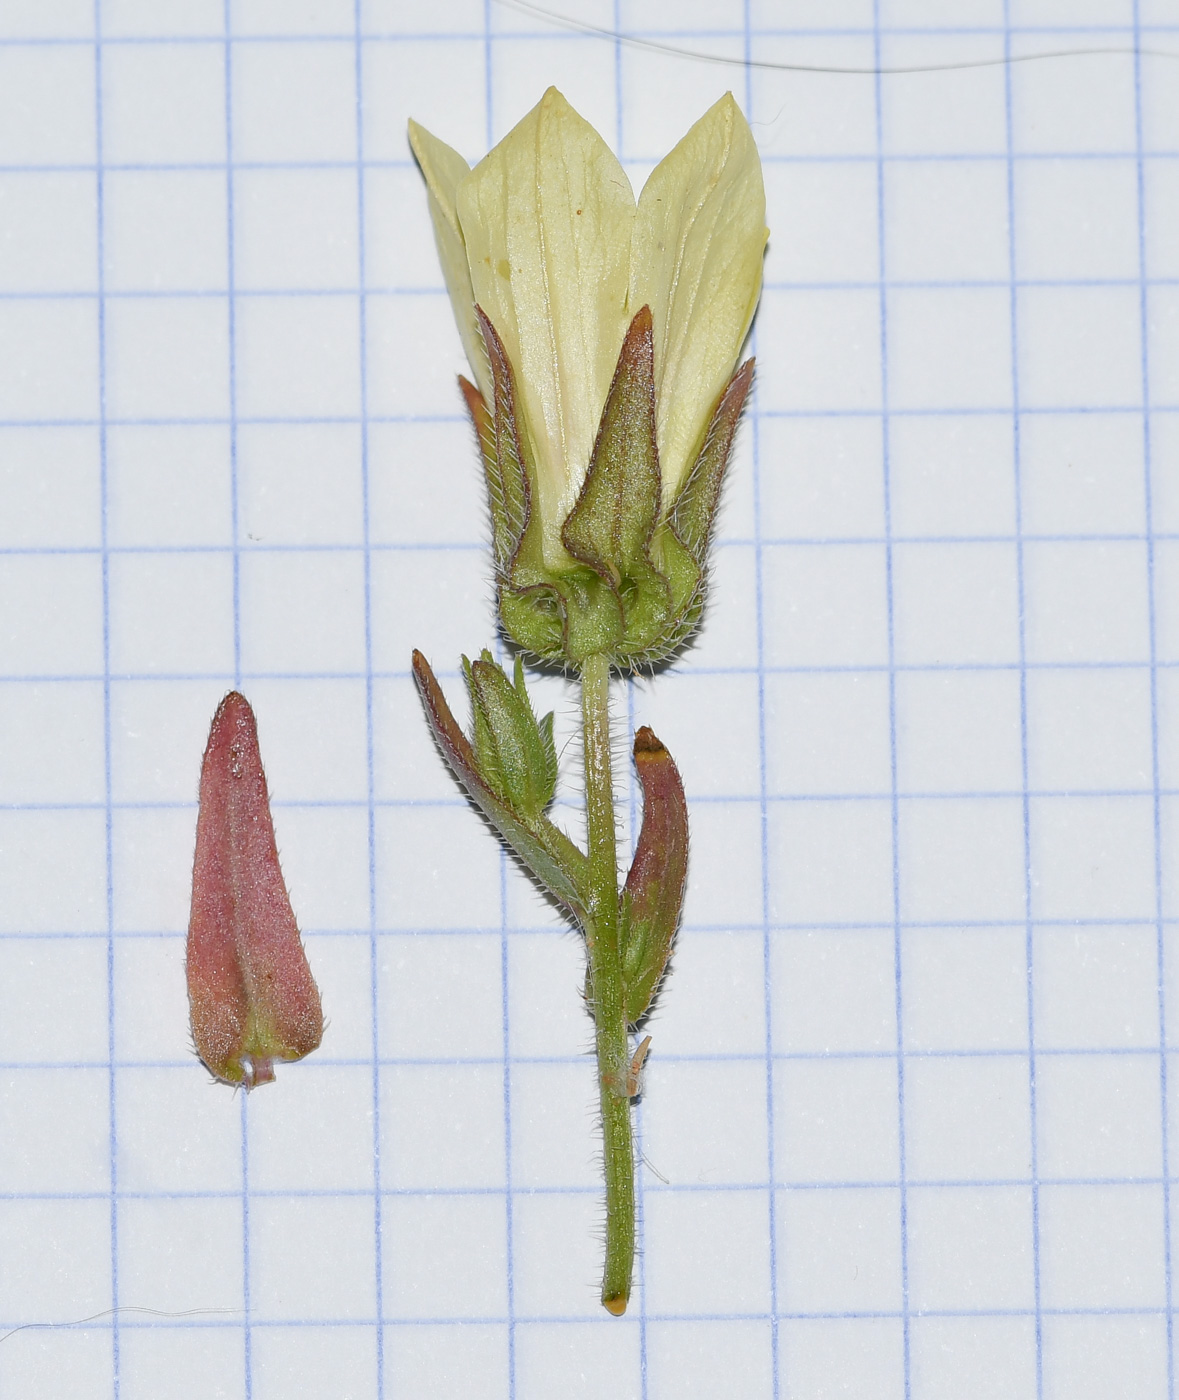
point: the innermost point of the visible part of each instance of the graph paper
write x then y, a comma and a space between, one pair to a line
906, 1127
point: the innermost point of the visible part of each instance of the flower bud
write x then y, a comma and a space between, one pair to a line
514, 754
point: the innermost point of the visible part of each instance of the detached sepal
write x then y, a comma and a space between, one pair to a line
546, 851
654, 893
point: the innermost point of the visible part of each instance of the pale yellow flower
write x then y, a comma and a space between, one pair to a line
545, 235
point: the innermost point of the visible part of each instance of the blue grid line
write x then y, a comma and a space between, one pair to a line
369, 721
1029, 936
894, 807
778, 1361
112, 1081
1148, 510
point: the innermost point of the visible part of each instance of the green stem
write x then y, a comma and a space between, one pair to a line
605, 957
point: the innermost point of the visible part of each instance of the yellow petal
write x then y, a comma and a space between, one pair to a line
444, 170
696, 257
547, 220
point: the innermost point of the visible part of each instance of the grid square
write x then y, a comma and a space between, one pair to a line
693, 715
590, 1359
961, 858
444, 1256
302, 611
706, 1122
551, 1283
815, 846
343, 971
325, 857
28, 19
298, 357
47, 226
970, 102
51, 743
1101, 1246
1163, 336
828, 733
151, 875
956, 604
417, 886
53, 1004
965, 989
313, 733
273, 122
305, 1362
1093, 1356
1085, 602
151, 1022
547, 1017
295, 229
168, 357
155, 1234
949, 349
1089, 729
823, 218
290, 17
958, 731
184, 1363
836, 1121
1161, 189
46, 104
849, 1356
554, 1140
50, 482
970, 1247
335, 1101
1092, 858
1097, 988
75, 1363
402, 459
173, 1138
399, 81
49, 351
951, 475
412, 355
1164, 473
1166, 576
812, 116
165, 230
1076, 219
973, 1358
699, 1360
39, 891
172, 18
312, 1258
834, 992
1052, 103
158, 730
1082, 475
652, 127
825, 606
1099, 1116
1079, 347
57, 1124
163, 104
300, 483
945, 220
459, 1361
707, 1251
583, 71
171, 613
457, 1112
839, 1250
169, 486
827, 481
57, 1259
439, 996
968, 1119
819, 351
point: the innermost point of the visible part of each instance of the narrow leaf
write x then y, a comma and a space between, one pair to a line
695, 506
251, 995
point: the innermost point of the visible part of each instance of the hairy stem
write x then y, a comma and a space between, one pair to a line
605, 956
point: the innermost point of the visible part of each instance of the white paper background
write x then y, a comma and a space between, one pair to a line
907, 1111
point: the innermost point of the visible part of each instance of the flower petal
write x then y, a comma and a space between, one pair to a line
444, 170
696, 258
547, 220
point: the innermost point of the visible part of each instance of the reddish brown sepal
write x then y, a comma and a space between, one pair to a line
654, 892
251, 995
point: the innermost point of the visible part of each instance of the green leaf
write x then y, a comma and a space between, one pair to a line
694, 509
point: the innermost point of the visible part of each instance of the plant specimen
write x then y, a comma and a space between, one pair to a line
252, 999
603, 334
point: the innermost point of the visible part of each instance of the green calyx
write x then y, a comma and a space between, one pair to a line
634, 589
514, 752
